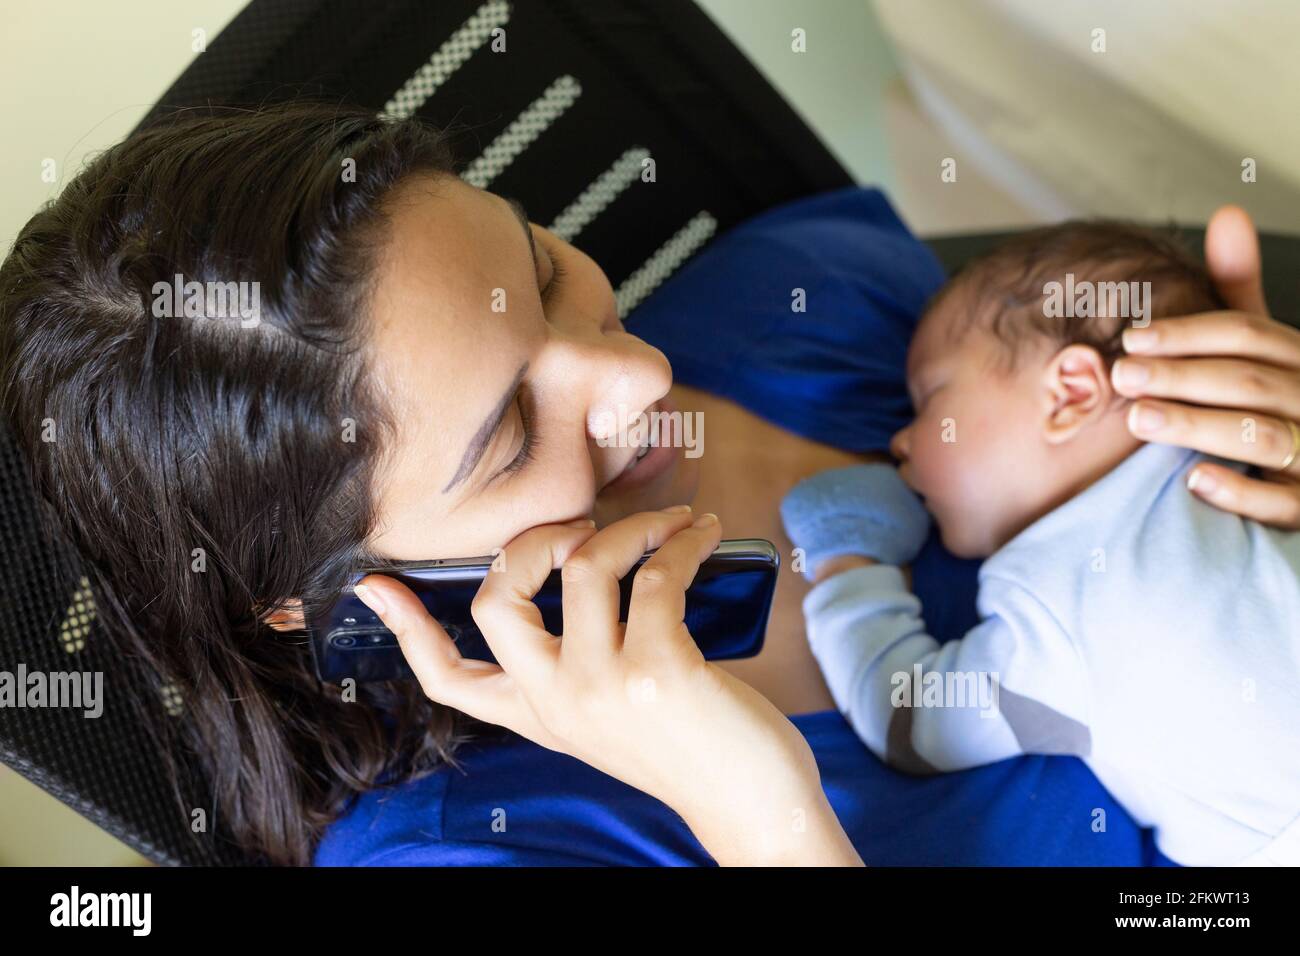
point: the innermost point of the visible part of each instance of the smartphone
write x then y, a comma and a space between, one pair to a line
727, 608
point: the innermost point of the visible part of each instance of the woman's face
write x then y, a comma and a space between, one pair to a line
502, 359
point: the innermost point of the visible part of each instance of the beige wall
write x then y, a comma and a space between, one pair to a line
1116, 108
77, 75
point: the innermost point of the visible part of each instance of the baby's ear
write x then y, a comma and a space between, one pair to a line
1076, 392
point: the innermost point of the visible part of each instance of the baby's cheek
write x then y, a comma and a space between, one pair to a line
935, 462
961, 485
953, 466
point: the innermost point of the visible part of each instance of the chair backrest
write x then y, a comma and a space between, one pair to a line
585, 92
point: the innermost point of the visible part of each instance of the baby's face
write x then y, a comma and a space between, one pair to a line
975, 451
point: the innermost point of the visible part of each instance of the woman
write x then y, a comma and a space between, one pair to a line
218, 474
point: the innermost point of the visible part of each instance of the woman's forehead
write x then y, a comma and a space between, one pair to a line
456, 281
443, 344
454, 245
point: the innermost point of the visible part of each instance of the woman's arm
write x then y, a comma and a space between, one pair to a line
1224, 383
638, 702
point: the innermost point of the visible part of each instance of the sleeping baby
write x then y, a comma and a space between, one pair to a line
1122, 620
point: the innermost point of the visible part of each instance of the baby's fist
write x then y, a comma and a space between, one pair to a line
863, 509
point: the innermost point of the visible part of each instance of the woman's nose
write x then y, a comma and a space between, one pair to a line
610, 377
630, 378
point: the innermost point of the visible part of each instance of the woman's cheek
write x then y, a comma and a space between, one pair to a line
543, 493
566, 498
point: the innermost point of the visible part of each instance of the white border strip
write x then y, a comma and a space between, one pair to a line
519, 135
607, 187
665, 261
447, 59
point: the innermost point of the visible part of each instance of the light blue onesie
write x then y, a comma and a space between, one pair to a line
1135, 627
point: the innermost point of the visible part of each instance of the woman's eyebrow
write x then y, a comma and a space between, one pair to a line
478, 444
518, 208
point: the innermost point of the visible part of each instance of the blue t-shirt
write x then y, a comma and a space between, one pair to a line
833, 372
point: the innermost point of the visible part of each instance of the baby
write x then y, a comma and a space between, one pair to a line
1123, 620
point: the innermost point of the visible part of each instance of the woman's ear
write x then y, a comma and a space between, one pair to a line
1076, 392
288, 618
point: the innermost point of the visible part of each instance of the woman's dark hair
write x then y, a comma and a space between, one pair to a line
209, 469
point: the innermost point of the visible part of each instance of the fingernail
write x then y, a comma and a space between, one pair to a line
1201, 482
1144, 419
1127, 373
677, 509
583, 523
1139, 340
706, 519
370, 599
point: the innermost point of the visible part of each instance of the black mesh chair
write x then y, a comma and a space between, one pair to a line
588, 90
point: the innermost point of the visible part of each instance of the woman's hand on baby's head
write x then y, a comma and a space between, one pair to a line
636, 701
1224, 383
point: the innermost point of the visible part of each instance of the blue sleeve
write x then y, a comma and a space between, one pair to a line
455, 853
509, 802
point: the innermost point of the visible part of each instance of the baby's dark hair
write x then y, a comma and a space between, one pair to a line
1004, 290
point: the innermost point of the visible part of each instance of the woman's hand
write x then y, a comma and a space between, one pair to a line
1224, 383
638, 702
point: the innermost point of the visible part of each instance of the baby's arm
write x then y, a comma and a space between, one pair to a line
1010, 686
924, 706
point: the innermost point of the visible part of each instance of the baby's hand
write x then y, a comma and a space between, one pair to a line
863, 510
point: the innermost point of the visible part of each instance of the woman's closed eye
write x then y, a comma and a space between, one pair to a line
528, 441
557, 276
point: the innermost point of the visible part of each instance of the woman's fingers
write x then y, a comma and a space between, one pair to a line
504, 610
658, 608
1220, 382
1232, 257
1273, 501
473, 687
591, 578
1224, 383
1262, 440
1225, 334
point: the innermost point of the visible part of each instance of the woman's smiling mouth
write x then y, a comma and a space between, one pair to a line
655, 456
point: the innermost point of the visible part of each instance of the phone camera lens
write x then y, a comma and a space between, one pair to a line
344, 640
